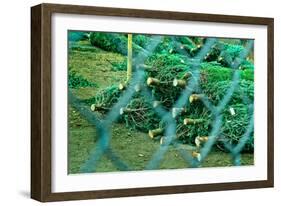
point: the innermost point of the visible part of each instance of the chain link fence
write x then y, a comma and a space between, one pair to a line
168, 116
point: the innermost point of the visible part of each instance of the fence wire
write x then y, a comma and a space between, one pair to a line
103, 126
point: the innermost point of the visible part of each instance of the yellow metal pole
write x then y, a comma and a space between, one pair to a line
130, 57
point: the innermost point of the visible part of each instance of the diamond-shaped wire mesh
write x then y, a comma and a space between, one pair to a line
103, 126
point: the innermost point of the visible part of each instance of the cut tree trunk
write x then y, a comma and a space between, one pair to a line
195, 97
152, 81
188, 121
199, 140
122, 86
156, 132
178, 111
179, 83
95, 107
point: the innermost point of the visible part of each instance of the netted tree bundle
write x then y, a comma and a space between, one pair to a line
178, 45
216, 91
109, 42
104, 100
191, 41
166, 87
191, 44
113, 42
236, 119
169, 45
246, 65
247, 74
166, 69
229, 52
197, 123
166, 77
166, 46
159, 61
165, 91
139, 114
192, 123
214, 72
141, 39
162, 65
226, 54
215, 81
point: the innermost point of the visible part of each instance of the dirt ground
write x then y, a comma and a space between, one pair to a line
135, 149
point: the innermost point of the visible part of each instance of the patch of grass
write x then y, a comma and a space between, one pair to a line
77, 81
120, 66
95, 67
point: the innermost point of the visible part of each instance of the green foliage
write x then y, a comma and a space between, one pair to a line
198, 40
236, 125
178, 45
188, 133
247, 65
115, 42
167, 64
215, 81
106, 97
247, 74
225, 54
76, 81
142, 117
119, 66
109, 42
167, 67
141, 40
214, 72
77, 36
230, 51
191, 44
167, 46
217, 90
160, 61
186, 41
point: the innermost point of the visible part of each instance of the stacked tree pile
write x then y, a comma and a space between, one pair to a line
117, 42
167, 73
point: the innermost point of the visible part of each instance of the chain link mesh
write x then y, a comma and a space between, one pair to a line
103, 125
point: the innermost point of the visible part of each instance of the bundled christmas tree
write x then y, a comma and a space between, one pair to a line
167, 73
